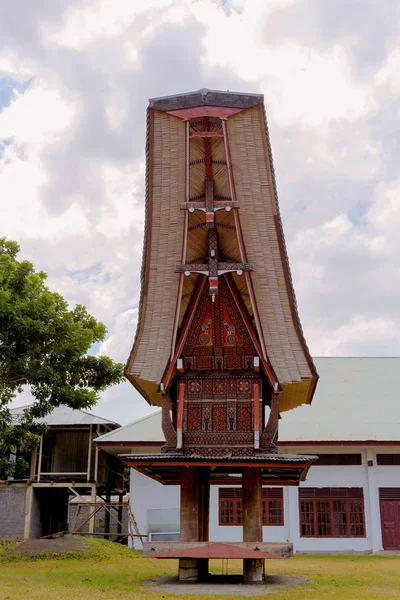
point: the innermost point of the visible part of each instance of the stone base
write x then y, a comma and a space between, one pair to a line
253, 570
188, 569
193, 569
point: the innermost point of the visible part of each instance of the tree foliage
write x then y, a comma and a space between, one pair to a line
44, 345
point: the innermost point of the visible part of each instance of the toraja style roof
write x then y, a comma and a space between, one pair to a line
249, 233
63, 415
356, 400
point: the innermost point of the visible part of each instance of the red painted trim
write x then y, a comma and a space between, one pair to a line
204, 111
185, 328
331, 501
181, 402
250, 329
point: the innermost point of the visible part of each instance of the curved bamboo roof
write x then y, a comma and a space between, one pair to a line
249, 231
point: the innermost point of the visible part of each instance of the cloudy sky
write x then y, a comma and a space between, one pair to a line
75, 78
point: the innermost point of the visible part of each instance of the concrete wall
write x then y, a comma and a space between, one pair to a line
147, 495
12, 511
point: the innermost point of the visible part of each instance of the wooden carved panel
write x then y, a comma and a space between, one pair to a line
194, 418
244, 418
219, 418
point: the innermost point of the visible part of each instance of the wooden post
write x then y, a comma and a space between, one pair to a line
189, 522
32, 472
93, 499
252, 521
119, 526
96, 465
107, 516
204, 514
40, 457
89, 459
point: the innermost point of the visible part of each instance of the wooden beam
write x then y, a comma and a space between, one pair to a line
184, 330
89, 458
206, 134
40, 457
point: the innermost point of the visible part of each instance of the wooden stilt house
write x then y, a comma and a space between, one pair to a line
219, 343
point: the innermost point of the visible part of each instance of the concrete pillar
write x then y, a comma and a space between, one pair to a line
373, 516
28, 511
93, 499
253, 569
189, 519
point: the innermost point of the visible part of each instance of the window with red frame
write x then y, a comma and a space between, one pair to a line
331, 512
230, 506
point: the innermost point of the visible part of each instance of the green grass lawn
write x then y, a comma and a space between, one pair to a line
112, 572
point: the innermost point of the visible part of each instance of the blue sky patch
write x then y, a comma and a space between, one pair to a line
8, 86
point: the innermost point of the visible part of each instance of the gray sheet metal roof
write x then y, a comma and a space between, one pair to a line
357, 399
147, 429
288, 458
63, 415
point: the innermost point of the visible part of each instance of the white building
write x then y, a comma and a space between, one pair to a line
350, 500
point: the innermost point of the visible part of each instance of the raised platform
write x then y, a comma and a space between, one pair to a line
239, 550
275, 469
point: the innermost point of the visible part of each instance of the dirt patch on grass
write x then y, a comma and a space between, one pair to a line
229, 585
57, 547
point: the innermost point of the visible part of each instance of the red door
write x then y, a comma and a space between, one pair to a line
390, 521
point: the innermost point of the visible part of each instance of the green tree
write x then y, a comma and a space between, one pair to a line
43, 345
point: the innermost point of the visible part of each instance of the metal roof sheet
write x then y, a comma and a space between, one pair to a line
63, 415
147, 429
357, 399
288, 458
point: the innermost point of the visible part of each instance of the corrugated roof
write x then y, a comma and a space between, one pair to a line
357, 399
63, 415
177, 457
147, 428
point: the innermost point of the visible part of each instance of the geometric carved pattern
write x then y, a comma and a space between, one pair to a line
194, 439
244, 418
219, 387
219, 422
218, 325
219, 376
194, 418
233, 362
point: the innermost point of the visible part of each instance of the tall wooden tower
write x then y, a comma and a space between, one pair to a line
219, 342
